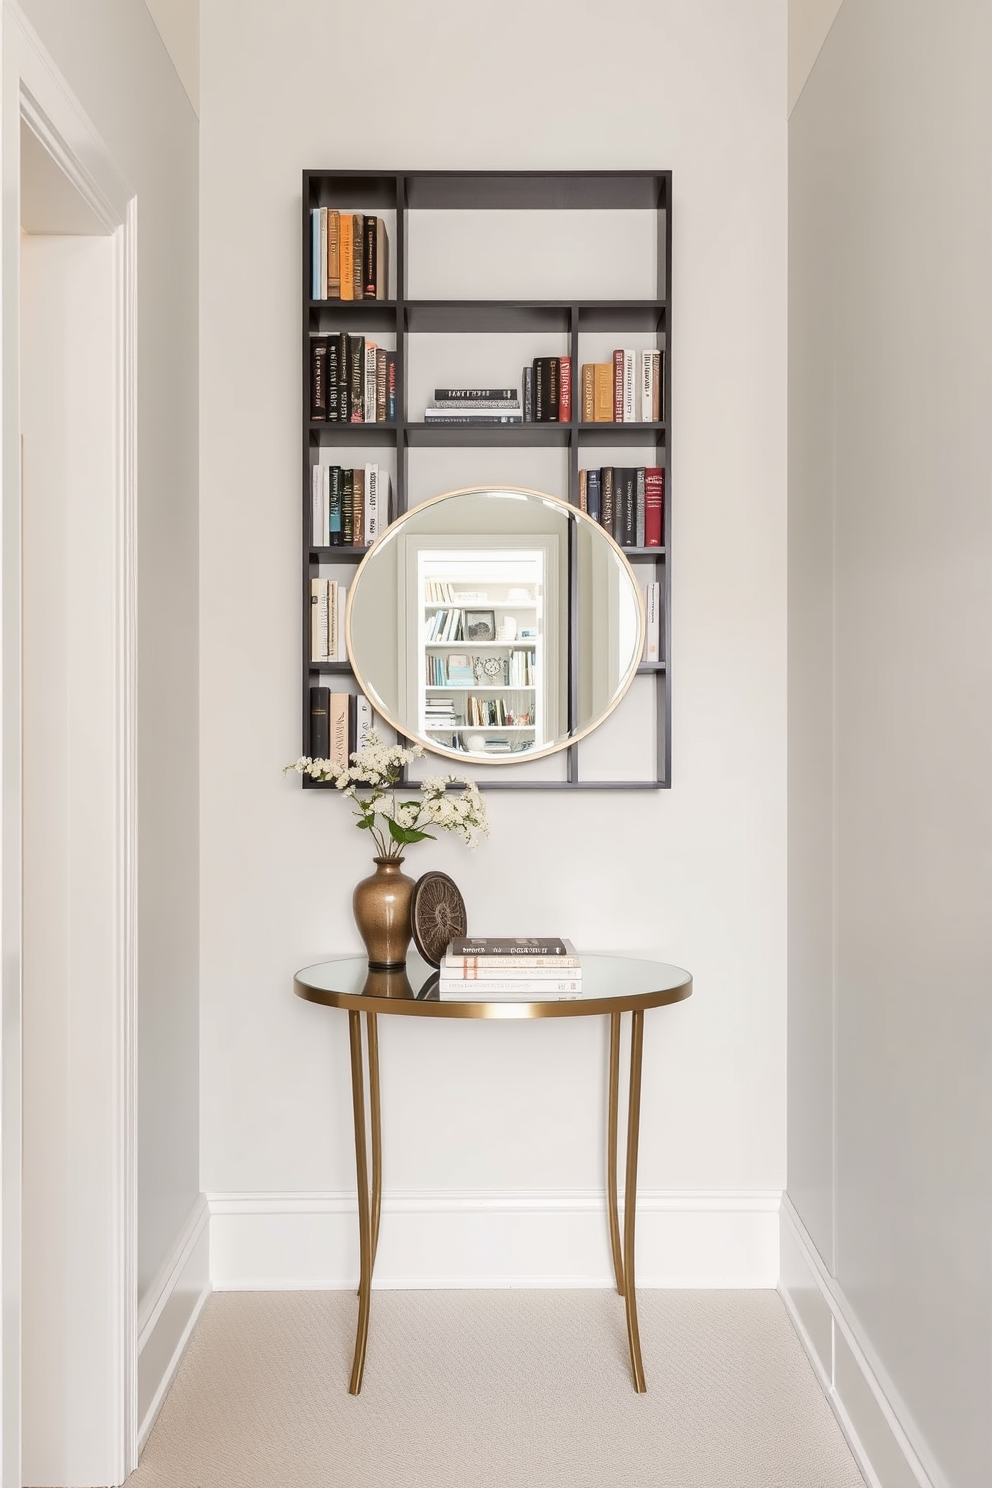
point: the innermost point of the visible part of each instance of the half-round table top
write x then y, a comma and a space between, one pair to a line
610, 984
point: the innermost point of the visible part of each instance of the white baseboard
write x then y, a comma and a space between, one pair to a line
879, 1429
168, 1312
280, 1242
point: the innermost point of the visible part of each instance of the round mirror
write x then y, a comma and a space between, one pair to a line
494, 624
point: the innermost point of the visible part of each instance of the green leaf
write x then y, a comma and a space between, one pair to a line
405, 835
365, 823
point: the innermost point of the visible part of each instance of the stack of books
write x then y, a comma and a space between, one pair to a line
340, 723
628, 389
500, 969
348, 507
349, 256
474, 406
352, 380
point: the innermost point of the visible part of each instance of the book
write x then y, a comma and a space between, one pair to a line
390, 387
629, 388
546, 371
356, 390
647, 386
564, 389
371, 504
338, 724
320, 698
344, 375
588, 404
476, 405
346, 228
639, 513
473, 972
322, 275
473, 394
450, 416
594, 494
626, 510
381, 261
654, 505
606, 517
363, 720
356, 496
583, 490
319, 619
318, 378
380, 386
335, 525
333, 378
528, 394
357, 518
369, 392
603, 392
512, 945
370, 261
333, 259
652, 622
315, 253
357, 244
347, 515
618, 381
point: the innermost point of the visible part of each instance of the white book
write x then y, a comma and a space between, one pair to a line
342, 600
319, 603
316, 507
322, 283
315, 253
647, 383
332, 621
368, 400
363, 720
652, 627
629, 389
325, 487
371, 504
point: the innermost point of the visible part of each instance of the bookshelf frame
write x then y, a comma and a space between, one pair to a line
399, 193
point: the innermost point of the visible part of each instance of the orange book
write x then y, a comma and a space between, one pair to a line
346, 254
603, 392
588, 403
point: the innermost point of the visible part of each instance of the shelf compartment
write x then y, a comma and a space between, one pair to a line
541, 190
340, 667
338, 555
484, 436
335, 433
328, 316
500, 317
614, 433
622, 315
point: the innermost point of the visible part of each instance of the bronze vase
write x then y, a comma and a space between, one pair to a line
382, 914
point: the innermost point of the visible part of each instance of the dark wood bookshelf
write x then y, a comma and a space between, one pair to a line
394, 195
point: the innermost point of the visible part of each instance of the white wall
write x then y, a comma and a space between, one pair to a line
809, 24
114, 61
695, 874
890, 727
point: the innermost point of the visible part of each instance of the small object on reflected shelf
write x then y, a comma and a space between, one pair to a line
437, 915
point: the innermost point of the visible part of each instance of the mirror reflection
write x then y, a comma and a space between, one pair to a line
498, 624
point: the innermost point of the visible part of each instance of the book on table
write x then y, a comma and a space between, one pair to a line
490, 969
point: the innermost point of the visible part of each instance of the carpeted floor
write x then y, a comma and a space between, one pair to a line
495, 1389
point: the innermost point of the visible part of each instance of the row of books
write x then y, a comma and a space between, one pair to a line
349, 507
352, 380
628, 389
495, 969
349, 256
519, 669
628, 500
328, 600
340, 723
652, 622
474, 406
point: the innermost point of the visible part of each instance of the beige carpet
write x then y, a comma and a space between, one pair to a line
495, 1389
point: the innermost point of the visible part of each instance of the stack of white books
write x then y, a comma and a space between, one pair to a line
502, 968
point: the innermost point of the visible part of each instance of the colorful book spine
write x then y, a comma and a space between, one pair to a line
346, 229
654, 505
369, 391
583, 490
595, 498
333, 255
618, 373
564, 389
603, 392
370, 261
390, 387
588, 393
356, 391
639, 512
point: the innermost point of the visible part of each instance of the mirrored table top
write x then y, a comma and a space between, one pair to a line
610, 984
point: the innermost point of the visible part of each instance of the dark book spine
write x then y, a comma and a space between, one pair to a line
320, 727
369, 268
357, 390
390, 387
344, 378
347, 518
333, 379
554, 388
628, 510
542, 379
318, 379
357, 252
606, 509
348, 496
528, 392
380, 385
335, 507
352, 718
473, 395
594, 495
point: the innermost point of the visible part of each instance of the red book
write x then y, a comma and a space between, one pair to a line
564, 389
654, 505
618, 387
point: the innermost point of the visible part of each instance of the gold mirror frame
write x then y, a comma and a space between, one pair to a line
463, 756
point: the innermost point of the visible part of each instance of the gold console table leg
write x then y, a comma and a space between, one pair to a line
364, 1215
611, 1151
630, 1198
373, 1036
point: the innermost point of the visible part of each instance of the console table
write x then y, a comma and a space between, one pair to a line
611, 985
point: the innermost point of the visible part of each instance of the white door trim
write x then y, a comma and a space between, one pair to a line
35, 92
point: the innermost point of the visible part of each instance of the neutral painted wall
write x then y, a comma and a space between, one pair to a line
114, 61
178, 23
890, 726
695, 874
809, 24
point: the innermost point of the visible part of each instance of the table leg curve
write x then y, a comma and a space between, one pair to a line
611, 1151
364, 1216
373, 1038
630, 1198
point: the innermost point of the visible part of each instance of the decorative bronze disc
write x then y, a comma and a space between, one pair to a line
437, 915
